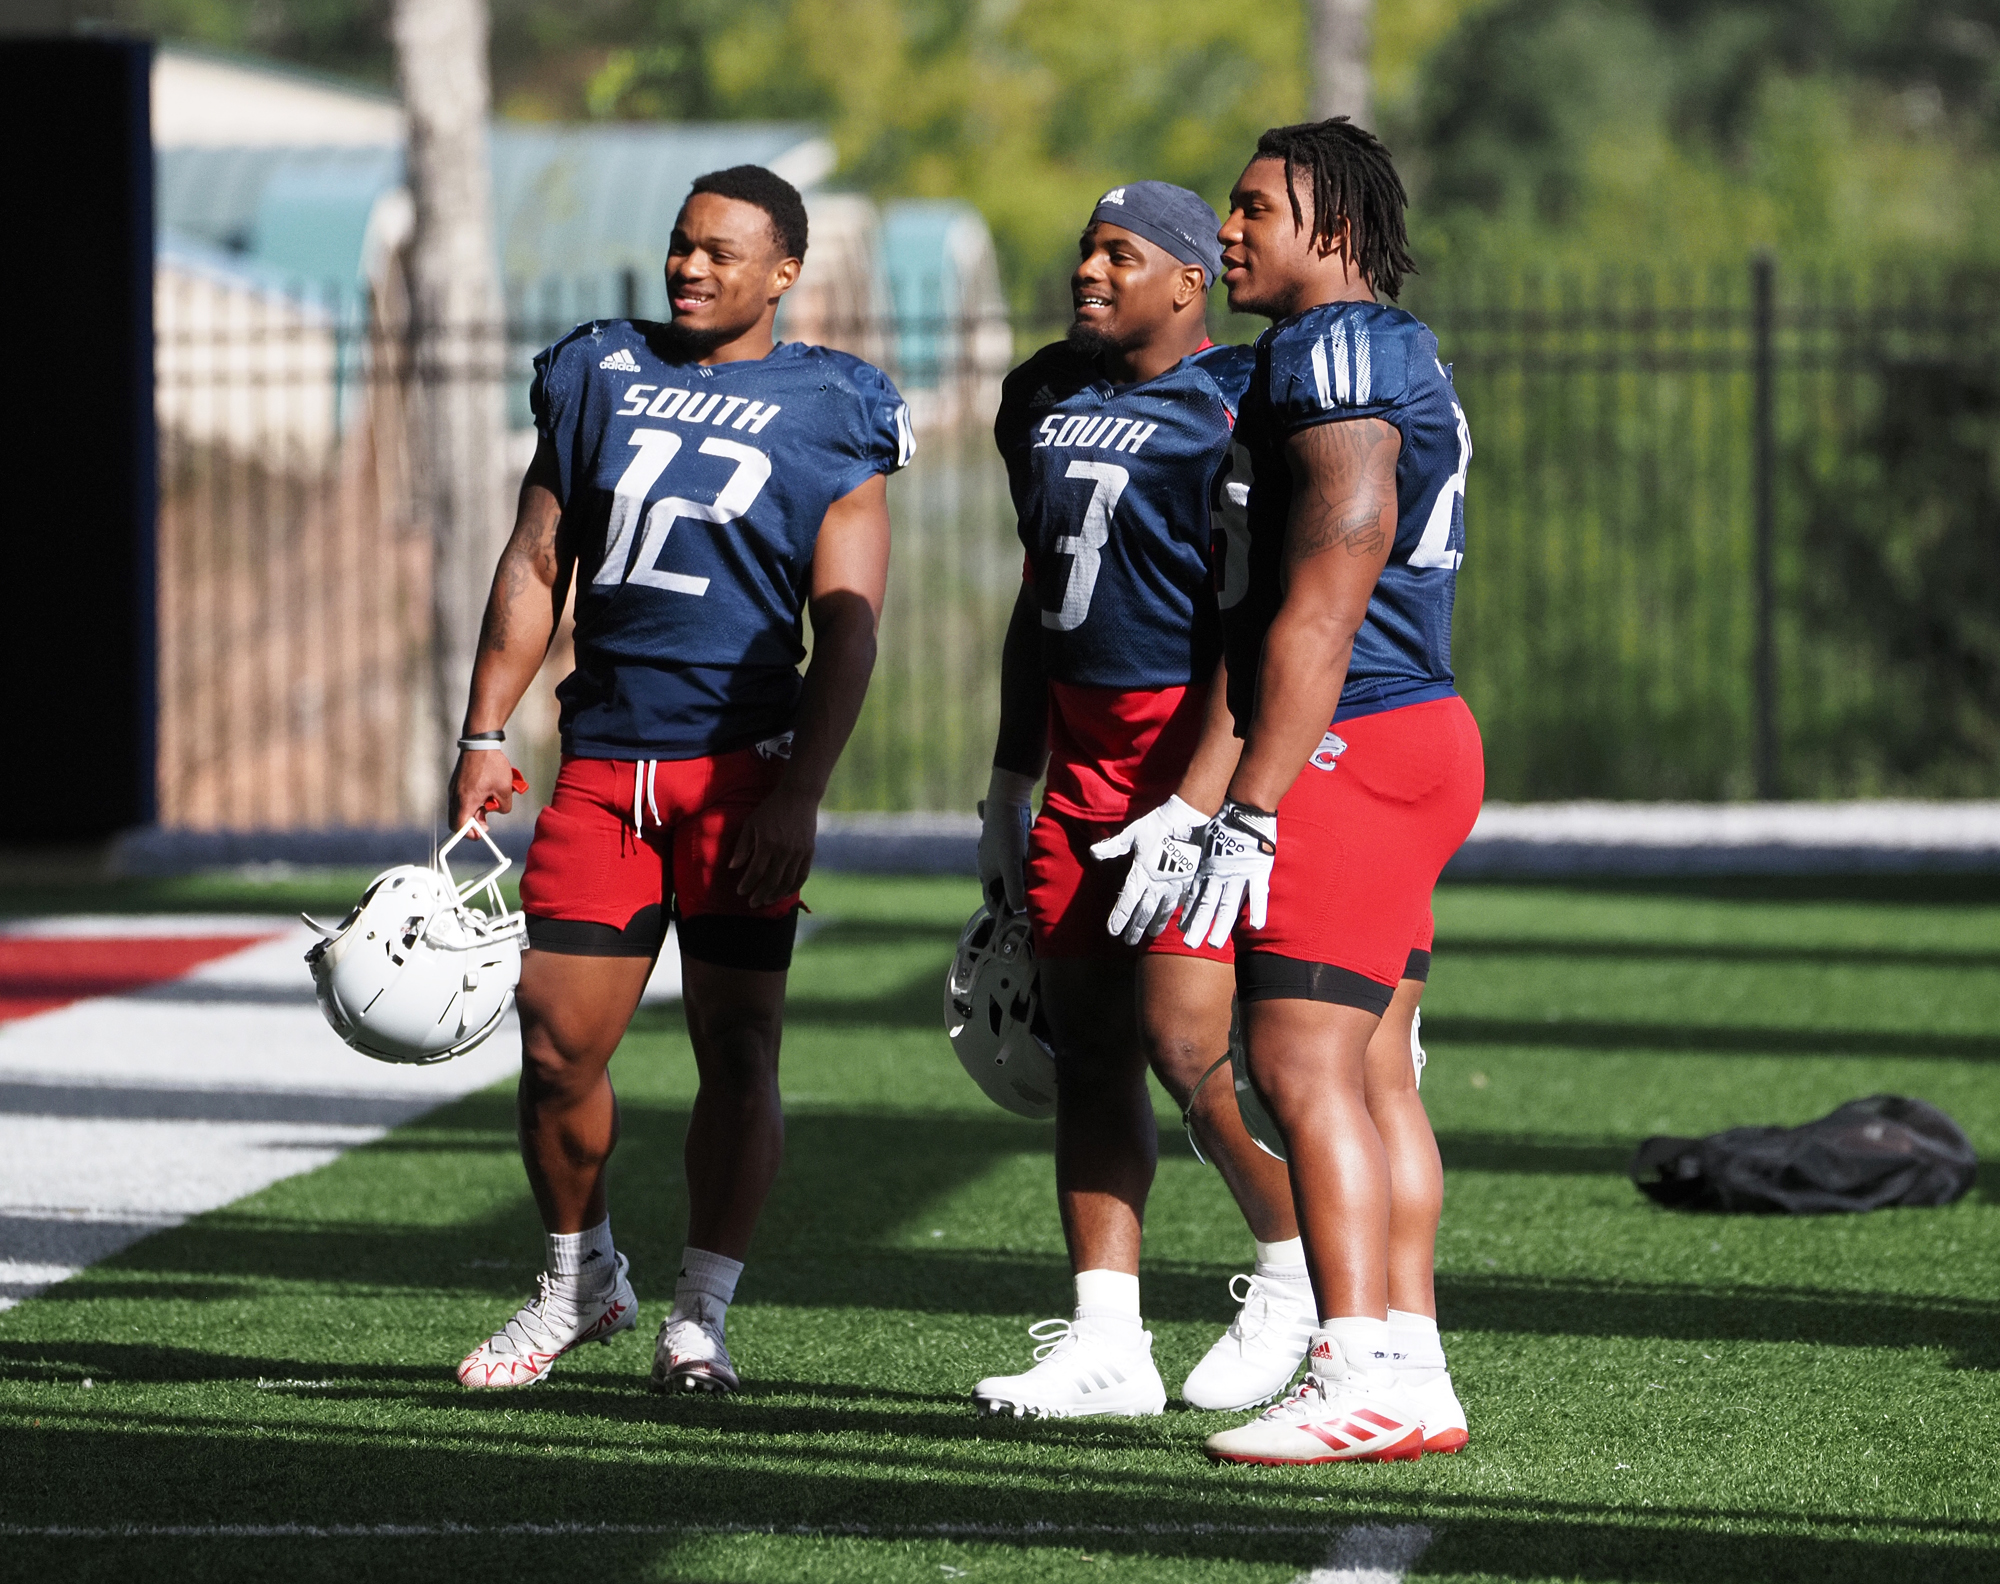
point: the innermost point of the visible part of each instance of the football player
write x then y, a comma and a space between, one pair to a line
703, 487
1114, 439
1361, 771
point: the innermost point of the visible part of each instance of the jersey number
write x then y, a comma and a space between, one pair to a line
1083, 546
1232, 512
658, 447
1434, 549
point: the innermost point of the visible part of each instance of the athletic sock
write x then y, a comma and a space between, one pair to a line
582, 1261
1365, 1343
1284, 1261
1109, 1301
705, 1275
1418, 1333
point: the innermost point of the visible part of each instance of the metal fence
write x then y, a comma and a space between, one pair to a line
1730, 537
1727, 538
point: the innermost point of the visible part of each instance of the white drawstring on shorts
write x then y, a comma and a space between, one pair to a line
643, 772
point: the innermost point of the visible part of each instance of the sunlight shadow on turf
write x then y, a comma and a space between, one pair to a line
1721, 951
143, 1476
1968, 1329
1587, 1034
1533, 1154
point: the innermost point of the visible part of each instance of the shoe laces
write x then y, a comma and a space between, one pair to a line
1260, 1303
686, 1331
532, 1329
1056, 1337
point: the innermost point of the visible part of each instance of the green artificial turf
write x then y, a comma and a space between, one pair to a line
1652, 1396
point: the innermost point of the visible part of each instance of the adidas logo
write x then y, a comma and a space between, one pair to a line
1116, 195
621, 360
1043, 398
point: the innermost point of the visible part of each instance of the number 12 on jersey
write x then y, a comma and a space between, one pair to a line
657, 448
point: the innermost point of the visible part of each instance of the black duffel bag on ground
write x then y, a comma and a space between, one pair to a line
1868, 1155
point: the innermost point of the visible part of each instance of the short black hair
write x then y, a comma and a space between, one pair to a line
1354, 179
771, 193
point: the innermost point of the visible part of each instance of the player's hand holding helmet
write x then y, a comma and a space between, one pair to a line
483, 780
1004, 821
415, 974
1238, 848
1166, 849
993, 1014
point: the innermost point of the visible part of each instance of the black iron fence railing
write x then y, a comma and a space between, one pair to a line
1729, 538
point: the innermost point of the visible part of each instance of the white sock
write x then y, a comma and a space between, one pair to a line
585, 1258
1364, 1343
1109, 1300
710, 1276
1417, 1335
1284, 1261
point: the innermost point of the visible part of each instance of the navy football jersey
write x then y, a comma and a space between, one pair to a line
1339, 361
692, 497
1112, 485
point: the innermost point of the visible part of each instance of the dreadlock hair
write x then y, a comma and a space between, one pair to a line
771, 193
1352, 179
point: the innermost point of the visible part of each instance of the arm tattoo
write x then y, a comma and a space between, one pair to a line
530, 561
1346, 478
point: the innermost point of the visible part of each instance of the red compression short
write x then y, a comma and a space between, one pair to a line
620, 845
1362, 835
1070, 895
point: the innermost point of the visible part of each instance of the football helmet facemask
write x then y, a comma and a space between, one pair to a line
414, 974
993, 1015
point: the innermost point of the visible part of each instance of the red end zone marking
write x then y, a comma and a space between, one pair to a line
39, 974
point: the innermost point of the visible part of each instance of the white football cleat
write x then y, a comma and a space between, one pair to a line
1078, 1372
690, 1355
547, 1326
1426, 1382
1342, 1416
1258, 1355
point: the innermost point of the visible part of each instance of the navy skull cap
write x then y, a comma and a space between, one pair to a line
1171, 217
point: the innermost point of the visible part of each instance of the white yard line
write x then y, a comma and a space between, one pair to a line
1371, 1554
120, 1115
124, 1114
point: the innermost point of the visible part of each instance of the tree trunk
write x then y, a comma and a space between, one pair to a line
458, 412
1340, 58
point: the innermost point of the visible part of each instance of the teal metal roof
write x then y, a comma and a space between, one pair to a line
568, 201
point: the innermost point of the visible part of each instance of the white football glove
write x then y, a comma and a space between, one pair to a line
1238, 849
1004, 820
1166, 847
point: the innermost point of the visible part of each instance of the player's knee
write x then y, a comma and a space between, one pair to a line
1178, 1056
550, 1070
1090, 1086
737, 1055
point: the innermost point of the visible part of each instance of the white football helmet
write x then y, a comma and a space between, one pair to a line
413, 974
993, 1014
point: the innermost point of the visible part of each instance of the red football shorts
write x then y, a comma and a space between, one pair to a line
621, 846
1362, 836
1070, 895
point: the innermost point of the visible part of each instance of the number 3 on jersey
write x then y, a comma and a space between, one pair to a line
657, 448
1085, 546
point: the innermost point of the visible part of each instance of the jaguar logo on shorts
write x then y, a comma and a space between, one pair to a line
779, 747
1327, 755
